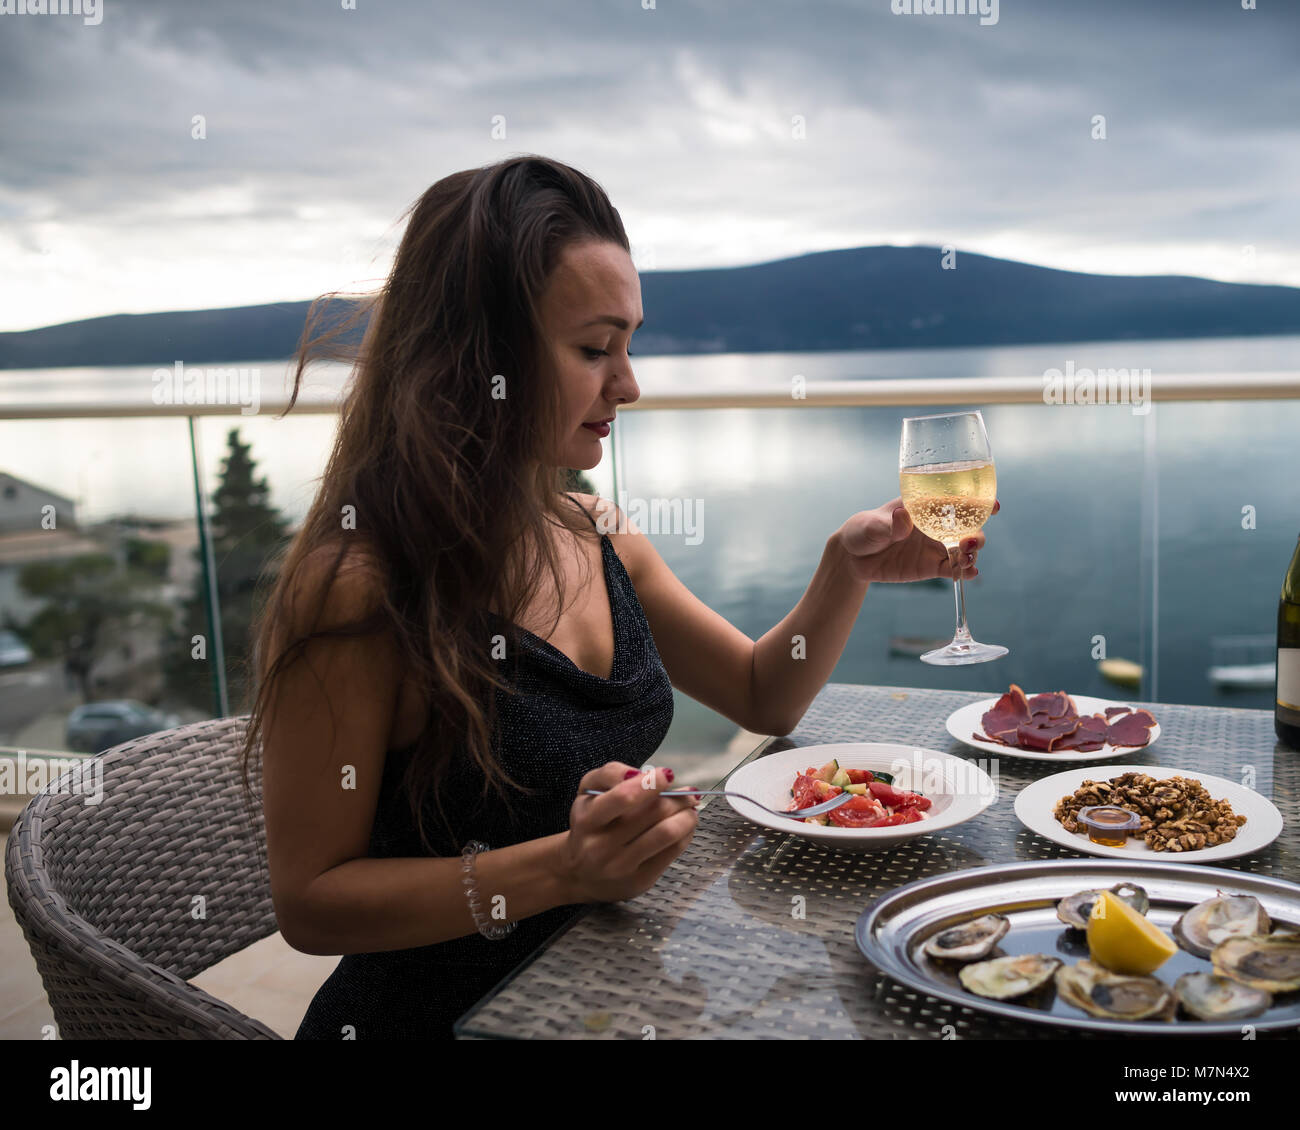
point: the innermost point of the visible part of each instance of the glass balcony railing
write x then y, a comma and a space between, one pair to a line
1158, 538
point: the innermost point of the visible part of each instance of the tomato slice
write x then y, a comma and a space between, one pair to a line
805, 792
884, 793
860, 812
860, 776
902, 816
898, 798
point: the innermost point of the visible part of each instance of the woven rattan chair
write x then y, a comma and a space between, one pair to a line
123, 900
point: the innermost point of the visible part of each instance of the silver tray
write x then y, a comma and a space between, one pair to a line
892, 930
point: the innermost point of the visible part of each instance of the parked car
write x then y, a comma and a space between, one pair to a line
98, 726
13, 652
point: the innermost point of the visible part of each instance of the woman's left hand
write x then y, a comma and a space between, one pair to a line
884, 545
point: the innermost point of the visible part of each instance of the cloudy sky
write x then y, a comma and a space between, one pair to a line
725, 131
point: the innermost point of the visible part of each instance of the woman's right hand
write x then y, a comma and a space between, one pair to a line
619, 843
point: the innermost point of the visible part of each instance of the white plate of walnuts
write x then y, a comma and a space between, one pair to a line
1177, 837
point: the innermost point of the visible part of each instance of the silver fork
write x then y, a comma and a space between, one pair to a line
798, 813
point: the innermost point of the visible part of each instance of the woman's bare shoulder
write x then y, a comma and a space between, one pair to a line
624, 535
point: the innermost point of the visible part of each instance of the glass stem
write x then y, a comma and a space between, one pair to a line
962, 634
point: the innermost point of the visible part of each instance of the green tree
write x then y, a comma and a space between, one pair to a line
151, 557
246, 530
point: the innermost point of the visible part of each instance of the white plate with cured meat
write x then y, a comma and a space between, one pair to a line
1053, 726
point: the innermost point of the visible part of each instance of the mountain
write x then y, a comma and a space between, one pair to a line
858, 298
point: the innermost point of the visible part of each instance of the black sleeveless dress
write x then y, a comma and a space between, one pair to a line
559, 724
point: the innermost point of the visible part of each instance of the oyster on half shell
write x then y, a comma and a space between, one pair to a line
1006, 977
1075, 909
1270, 962
1114, 996
970, 941
1217, 919
1211, 997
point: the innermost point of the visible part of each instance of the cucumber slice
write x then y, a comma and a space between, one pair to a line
841, 778
827, 771
859, 790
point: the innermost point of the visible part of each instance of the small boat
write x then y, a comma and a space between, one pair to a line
1243, 662
1247, 676
1124, 672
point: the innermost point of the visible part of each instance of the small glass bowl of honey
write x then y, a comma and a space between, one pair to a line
1108, 824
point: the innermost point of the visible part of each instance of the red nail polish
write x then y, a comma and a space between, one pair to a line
669, 774
631, 773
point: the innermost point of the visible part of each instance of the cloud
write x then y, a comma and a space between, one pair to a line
324, 124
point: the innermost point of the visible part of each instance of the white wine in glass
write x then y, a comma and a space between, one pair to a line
949, 486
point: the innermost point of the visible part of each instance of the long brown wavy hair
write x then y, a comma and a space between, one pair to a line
444, 480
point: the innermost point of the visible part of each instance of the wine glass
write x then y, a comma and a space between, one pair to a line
949, 486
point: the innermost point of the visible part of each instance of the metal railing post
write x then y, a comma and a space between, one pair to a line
217, 651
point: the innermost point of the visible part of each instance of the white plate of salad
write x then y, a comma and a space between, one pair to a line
900, 792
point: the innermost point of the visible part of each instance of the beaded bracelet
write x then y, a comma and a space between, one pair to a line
485, 927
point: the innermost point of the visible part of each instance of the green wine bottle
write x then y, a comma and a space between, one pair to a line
1286, 717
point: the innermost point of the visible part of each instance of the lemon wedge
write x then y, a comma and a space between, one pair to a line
1124, 941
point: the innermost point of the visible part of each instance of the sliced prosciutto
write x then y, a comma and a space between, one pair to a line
1051, 722
1131, 730
1073, 743
1045, 735
1007, 713
1057, 704
1090, 736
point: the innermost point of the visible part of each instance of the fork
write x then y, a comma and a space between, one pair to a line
798, 813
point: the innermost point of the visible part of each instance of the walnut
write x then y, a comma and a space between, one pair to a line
1176, 814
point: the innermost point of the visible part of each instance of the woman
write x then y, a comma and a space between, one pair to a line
454, 648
